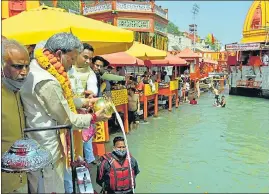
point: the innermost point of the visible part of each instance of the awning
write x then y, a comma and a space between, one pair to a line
145, 52
188, 53
169, 60
122, 59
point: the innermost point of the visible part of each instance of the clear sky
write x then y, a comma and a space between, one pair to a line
224, 19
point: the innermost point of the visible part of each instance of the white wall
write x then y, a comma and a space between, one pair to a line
246, 70
183, 42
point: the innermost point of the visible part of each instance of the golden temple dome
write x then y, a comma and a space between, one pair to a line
256, 26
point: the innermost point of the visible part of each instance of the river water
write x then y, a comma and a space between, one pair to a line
204, 149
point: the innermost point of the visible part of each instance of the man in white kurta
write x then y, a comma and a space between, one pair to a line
79, 75
46, 106
83, 78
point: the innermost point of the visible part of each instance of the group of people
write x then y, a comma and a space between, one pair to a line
57, 83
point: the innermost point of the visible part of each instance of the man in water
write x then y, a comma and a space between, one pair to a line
216, 92
113, 171
193, 101
197, 85
133, 108
223, 102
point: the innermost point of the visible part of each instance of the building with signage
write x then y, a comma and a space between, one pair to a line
148, 20
13, 7
249, 66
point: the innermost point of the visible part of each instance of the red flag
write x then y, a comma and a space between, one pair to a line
213, 39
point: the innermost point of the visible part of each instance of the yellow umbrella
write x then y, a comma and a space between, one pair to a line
30, 27
145, 52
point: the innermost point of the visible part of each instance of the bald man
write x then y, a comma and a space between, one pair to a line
14, 69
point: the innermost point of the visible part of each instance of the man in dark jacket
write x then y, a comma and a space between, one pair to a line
113, 170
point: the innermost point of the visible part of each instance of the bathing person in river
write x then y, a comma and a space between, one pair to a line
193, 101
223, 102
216, 92
113, 170
133, 108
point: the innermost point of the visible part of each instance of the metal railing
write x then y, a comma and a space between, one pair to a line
132, 6
100, 7
248, 84
159, 11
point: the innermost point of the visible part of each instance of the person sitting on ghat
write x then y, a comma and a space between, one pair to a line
166, 77
113, 171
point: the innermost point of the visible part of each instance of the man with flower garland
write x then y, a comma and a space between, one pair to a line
48, 101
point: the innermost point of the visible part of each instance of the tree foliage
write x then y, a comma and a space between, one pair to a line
71, 4
214, 46
173, 29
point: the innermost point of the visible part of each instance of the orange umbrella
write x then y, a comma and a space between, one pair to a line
177, 61
188, 53
159, 62
122, 59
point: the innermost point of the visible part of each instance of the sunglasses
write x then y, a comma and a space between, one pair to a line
19, 67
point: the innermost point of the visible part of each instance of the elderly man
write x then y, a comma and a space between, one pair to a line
48, 101
15, 67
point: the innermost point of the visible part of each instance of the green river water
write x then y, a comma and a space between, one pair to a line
204, 149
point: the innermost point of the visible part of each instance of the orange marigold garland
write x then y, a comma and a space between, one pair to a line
50, 63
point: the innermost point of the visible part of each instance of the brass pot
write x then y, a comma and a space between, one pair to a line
104, 103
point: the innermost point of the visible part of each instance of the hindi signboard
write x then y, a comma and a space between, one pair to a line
242, 47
